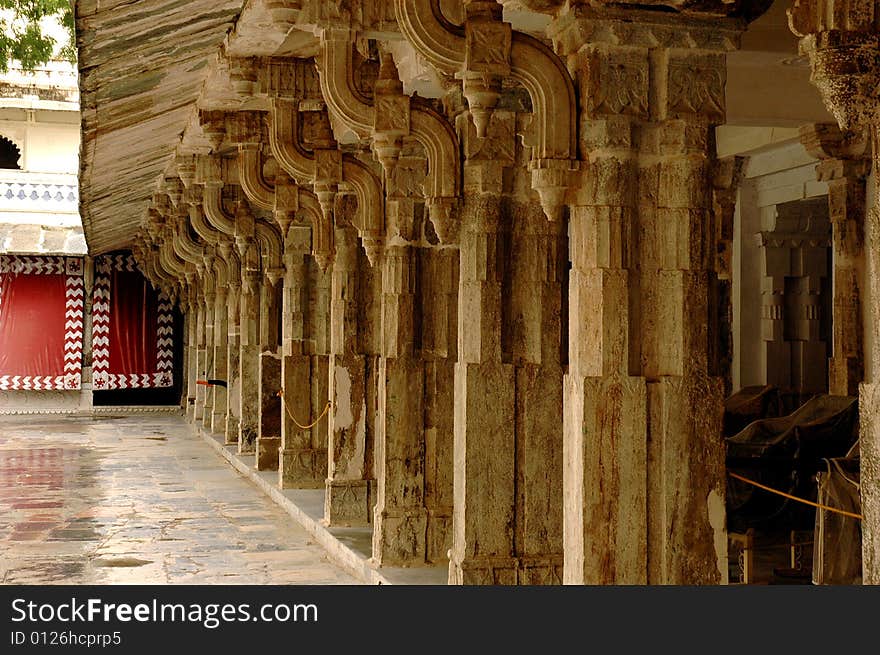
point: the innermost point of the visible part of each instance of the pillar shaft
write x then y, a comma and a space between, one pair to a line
303, 454
644, 466
269, 422
439, 349
210, 326
249, 358
400, 530
220, 394
348, 499
201, 353
233, 356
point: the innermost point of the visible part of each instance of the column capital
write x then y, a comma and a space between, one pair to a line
841, 41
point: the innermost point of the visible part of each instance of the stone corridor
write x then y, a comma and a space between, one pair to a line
139, 500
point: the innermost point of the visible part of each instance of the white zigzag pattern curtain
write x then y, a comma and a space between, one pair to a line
132, 328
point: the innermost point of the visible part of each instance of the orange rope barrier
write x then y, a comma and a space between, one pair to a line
736, 476
292, 418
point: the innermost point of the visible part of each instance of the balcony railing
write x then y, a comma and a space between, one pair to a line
42, 193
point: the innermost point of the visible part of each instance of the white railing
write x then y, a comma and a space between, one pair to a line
54, 193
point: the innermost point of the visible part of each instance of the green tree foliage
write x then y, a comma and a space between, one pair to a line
22, 38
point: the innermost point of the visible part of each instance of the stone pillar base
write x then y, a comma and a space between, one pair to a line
231, 430
348, 502
247, 438
267, 453
439, 536
218, 422
399, 537
302, 468
534, 570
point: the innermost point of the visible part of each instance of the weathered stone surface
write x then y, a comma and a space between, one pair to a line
269, 437
137, 96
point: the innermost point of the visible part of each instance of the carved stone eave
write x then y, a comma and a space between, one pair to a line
217, 216
581, 24
488, 51
250, 176
271, 249
438, 41
323, 246
335, 70
189, 250
285, 143
370, 220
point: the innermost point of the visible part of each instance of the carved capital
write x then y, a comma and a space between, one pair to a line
842, 42
826, 140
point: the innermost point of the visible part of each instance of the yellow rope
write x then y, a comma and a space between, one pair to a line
790, 497
298, 424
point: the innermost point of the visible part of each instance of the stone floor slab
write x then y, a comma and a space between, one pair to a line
139, 500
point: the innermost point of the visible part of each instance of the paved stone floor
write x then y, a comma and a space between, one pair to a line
139, 500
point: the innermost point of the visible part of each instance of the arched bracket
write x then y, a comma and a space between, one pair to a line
481, 54
370, 220
323, 246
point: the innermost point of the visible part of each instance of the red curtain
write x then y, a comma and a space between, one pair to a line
133, 324
32, 317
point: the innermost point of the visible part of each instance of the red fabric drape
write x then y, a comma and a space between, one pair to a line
32, 317
133, 319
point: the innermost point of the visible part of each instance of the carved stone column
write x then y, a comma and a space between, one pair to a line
841, 40
348, 500
303, 454
400, 525
439, 298
201, 319
845, 164
233, 349
210, 295
249, 350
644, 469
220, 394
484, 483
269, 435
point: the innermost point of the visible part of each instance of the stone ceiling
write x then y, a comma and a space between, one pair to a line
146, 67
142, 67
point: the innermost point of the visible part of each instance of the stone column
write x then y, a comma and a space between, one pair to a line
209, 336
534, 330
841, 42
201, 321
439, 299
219, 394
191, 316
249, 352
269, 435
303, 453
233, 350
348, 499
844, 164
400, 527
644, 473
484, 450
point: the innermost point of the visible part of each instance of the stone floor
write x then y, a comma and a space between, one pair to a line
139, 500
